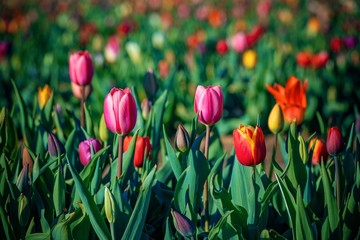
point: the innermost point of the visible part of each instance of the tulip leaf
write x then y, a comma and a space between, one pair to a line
223, 229
128, 163
181, 191
240, 184
38, 236
139, 120
59, 191
88, 121
96, 219
157, 120
348, 162
136, 223
7, 228
271, 234
174, 161
46, 112
303, 226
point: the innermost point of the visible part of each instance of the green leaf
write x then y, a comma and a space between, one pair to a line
38, 236
46, 112
96, 219
128, 163
223, 230
271, 234
158, 114
303, 226
59, 191
9, 232
174, 161
88, 121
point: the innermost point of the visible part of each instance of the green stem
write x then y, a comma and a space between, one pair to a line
337, 179
113, 237
82, 110
271, 163
120, 156
206, 185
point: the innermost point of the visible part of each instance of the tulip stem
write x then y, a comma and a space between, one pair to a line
120, 155
337, 175
206, 185
272, 158
82, 109
112, 231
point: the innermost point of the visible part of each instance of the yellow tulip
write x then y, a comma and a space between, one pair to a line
44, 95
276, 119
249, 58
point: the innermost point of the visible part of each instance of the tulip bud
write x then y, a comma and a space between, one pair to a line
55, 147
142, 149
120, 111
23, 210
150, 84
208, 104
145, 107
22, 181
44, 95
77, 90
276, 119
134, 52
81, 68
249, 144
112, 49
302, 150
86, 148
319, 151
109, 205
183, 224
249, 59
182, 139
26, 159
334, 142
103, 132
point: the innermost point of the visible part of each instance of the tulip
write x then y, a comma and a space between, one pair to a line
350, 42
87, 148
249, 144
120, 111
319, 60
302, 150
303, 59
335, 44
334, 142
27, 159
292, 99
158, 40
183, 224
319, 151
276, 119
44, 95
55, 147
142, 149
221, 47
249, 59
22, 181
150, 84
81, 68
109, 206
254, 35
238, 42
134, 52
313, 26
182, 139
77, 90
145, 108
112, 49
208, 104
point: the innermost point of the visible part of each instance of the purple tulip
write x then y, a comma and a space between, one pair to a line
350, 42
86, 148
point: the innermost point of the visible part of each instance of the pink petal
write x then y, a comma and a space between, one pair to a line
127, 113
109, 114
198, 93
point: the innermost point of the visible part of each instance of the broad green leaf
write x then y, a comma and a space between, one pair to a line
174, 161
303, 226
157, 121
89, 121
7, 228
223, 230
38, 236
59, 191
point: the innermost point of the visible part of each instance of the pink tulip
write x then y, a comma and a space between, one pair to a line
120, 111
81, 68
238, 42
85, 149
208, 104
112, 49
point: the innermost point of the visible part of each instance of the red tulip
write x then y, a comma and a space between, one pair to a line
249, 144
85, 149
120, 111
142, 149
208, 104
335, 44
81, 68
319, 151
254, 35
303, 59
334, 141
319, 60
221, 47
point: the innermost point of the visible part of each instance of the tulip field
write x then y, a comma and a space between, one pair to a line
190, 119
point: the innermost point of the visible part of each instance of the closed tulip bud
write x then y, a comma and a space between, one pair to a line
103, 132
304, 155
109, 205
22, 181
120, 111
55, 147
249, 144
208, 104
276, 119
87, 148
27, 159
150, 84
23, 210
77, 90
112, 49
145, 108
81, 68
182, 139
44, 95
183, 224
334, 141
142, 149
319, 151
249, 59
134, 52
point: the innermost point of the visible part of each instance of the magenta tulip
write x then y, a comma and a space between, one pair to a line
334, 141
120, 111
81, 68
208, 104
85, 149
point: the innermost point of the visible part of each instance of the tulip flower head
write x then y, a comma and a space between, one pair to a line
112, 49
81, 68
221, 47
55, 147
142, 149
249, 144
120, 111
292, 99
44, 95
319, 151
86, 148
249, 59
238, 42
334, 141
182, 139
208, 104
276, 119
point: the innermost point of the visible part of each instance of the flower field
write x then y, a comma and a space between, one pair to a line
178, 119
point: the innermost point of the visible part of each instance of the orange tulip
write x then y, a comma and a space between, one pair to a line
44, 95
292, 99
319, 151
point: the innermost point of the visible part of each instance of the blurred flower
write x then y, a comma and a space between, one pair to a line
86, 31
249, 144
4, 49
313, 26
120, 111
182, 139
335, 44
142, 149
145, 108
292, 99
254, 35
55, 147
221, 47
208, 104
202, 12
27, 159
103, 132
112, 49
238, 42
166, 20
150, 84
350, 42
77, 90
44, 95
263, 8
124, 28
158, 40
87, 148
81, 68
319, 60
183, 224
319, 151
164, 68
303, 59
133, 49
285, 16
249, 59
183, 10
334, 141
276, 119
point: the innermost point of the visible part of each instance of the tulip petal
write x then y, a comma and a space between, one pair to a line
199, 92
127, 113
109, 114
242, 149
258, 146
84, 69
